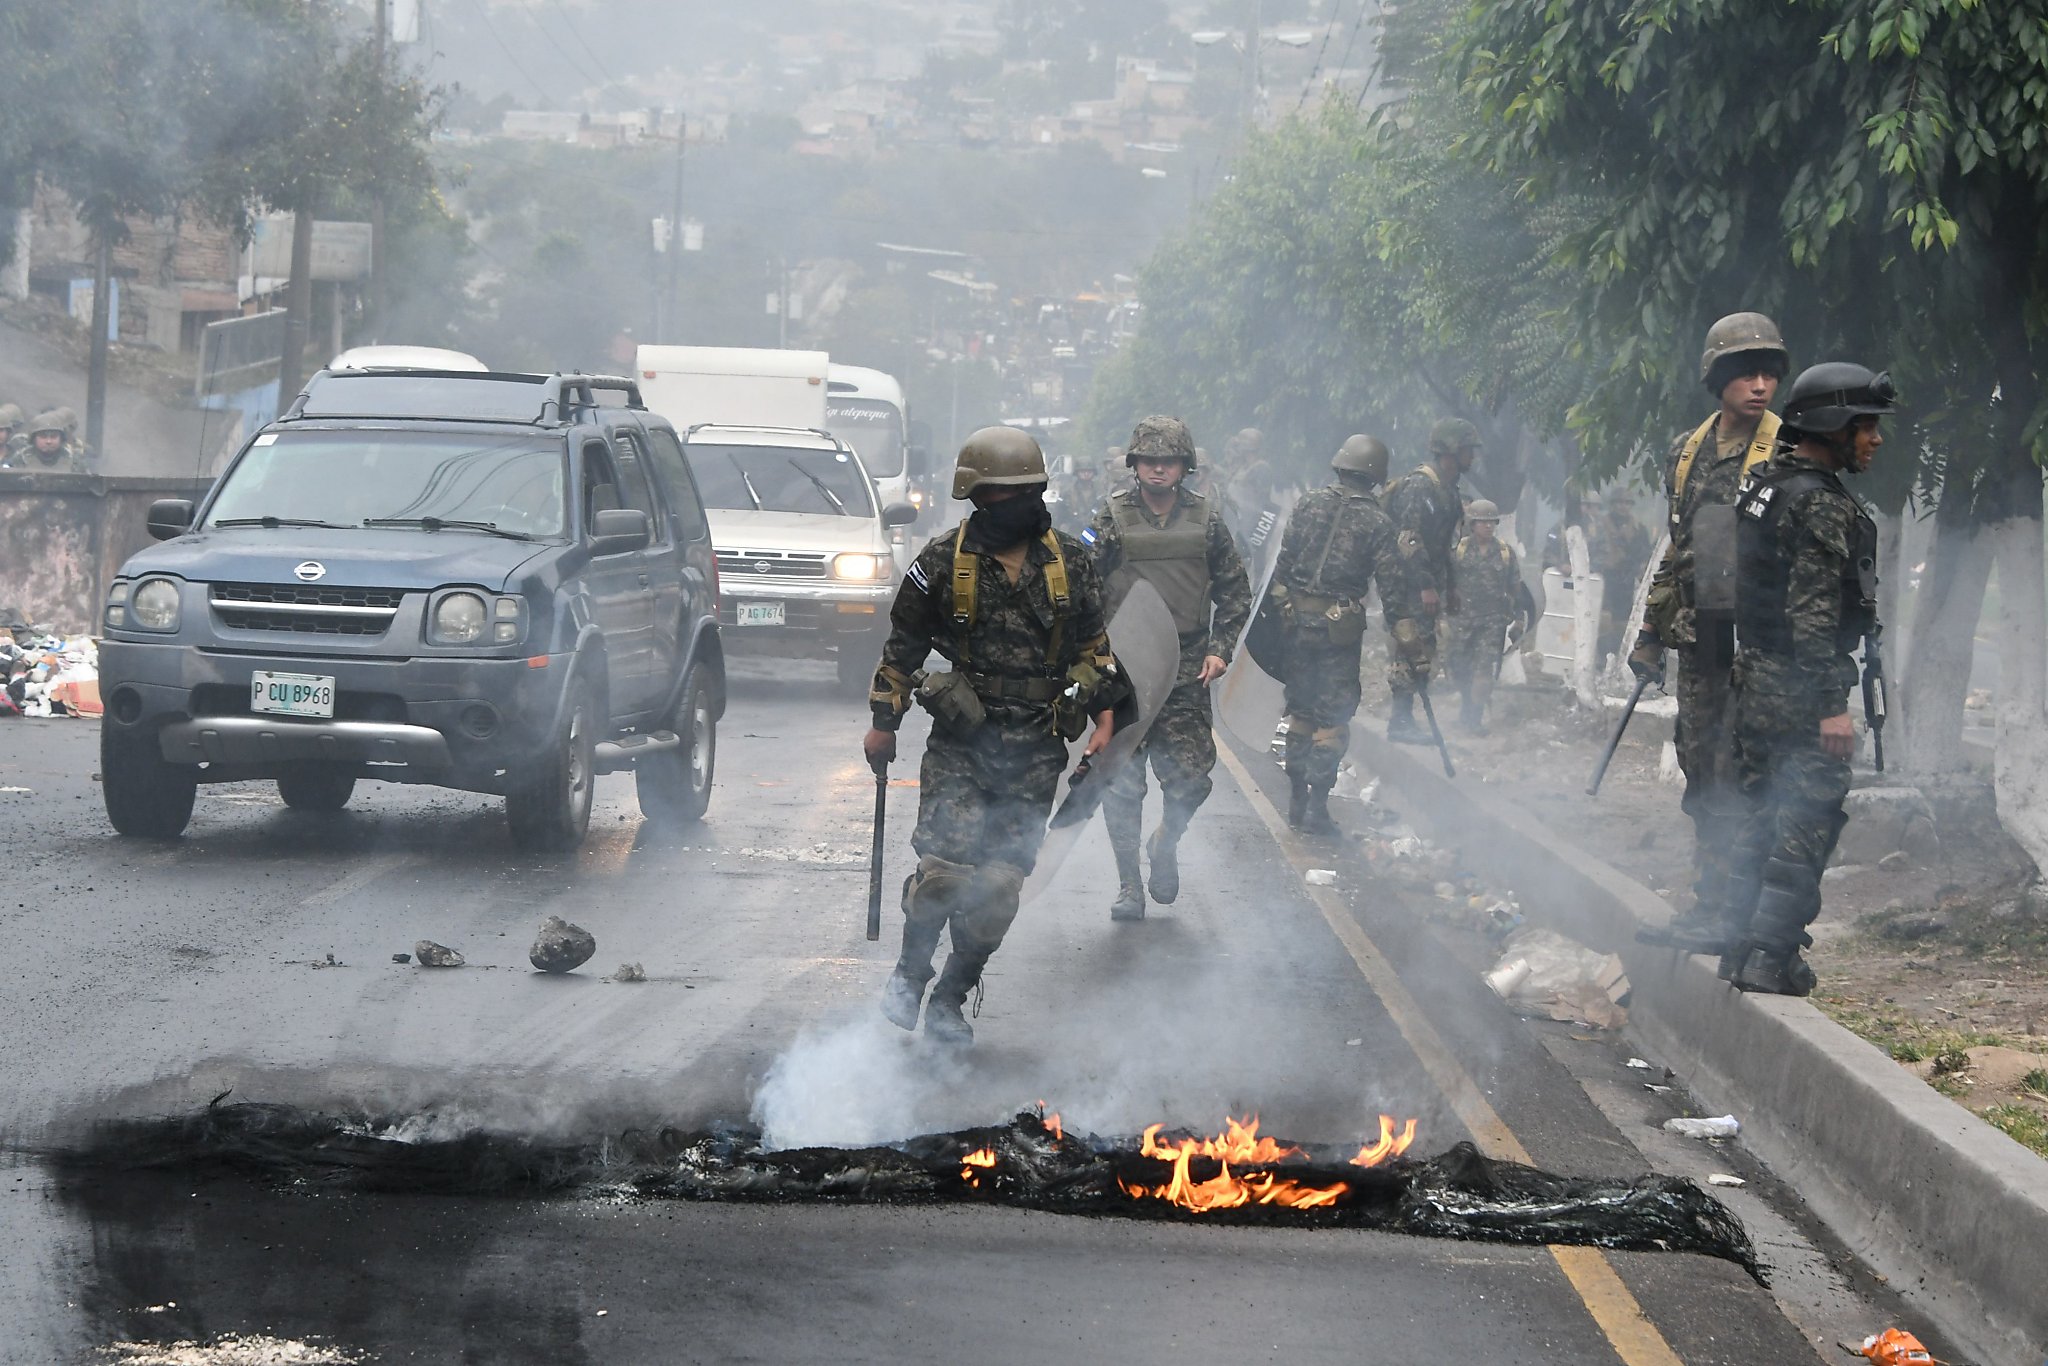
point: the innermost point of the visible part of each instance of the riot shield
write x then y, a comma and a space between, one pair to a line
1148, 648
1251, 698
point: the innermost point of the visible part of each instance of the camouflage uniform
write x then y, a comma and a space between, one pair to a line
1337, 545
1705, 694
1489, 579
1181, 745
984, 793
1808, 599
1425, 512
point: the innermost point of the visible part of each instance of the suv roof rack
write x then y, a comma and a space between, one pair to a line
458, 396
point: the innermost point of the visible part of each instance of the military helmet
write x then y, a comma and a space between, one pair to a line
1250, 441
1481, 510
997, 457
58, 420
1829, 396
1362, 454
1160, 438
1739, 334
1452, 435
11, 416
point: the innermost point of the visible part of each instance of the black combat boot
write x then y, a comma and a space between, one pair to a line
1721, 907
1315, 816
927, 897
1297, 800
1401, 726
1766, 958
945, 1020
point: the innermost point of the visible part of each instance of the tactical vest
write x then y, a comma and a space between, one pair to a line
967, 585
1765, 566
1173, 558
1760, 447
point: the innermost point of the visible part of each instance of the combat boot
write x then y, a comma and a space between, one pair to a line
928, 896
1162, 853
945, 1019
1766, 957
1315, 816
1297, 800
1130, 880
1721, 909
1401, 726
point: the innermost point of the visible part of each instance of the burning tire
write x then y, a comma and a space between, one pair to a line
146, 795
316, 788
675, 788
548, 807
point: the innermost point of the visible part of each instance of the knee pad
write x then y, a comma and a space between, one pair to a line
986, 912
930, 893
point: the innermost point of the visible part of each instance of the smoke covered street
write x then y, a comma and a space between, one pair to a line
149, 979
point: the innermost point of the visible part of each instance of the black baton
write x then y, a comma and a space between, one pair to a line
1614, 740
875, 852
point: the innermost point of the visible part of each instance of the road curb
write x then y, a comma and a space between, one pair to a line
1951, 1211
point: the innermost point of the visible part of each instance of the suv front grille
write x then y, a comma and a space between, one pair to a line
306, 608
772, 564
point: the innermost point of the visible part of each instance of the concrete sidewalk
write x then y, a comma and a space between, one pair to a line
1951, 1211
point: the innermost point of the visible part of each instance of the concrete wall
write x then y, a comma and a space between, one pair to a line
63, 536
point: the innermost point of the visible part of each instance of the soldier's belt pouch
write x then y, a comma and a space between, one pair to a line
1340, 620
952, 701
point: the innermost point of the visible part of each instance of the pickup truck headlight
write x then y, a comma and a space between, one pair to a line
457, 619
866, 568
154, 605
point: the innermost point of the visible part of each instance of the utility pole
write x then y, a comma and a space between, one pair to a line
1251, 66
96, 374
298, 321
377, 196
673, 331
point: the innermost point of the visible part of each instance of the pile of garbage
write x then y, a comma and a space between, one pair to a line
47, 673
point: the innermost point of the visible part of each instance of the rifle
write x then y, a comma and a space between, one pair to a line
1614, 740
1437, 734
875, 852
1873, 692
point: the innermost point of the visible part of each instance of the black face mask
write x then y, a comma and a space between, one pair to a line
1002, 525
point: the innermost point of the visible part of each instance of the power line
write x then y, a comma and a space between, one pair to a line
577, 33
1309, 84
1344, 62
506, 48
533, 17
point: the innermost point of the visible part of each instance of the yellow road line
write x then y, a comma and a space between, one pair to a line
1593, 1278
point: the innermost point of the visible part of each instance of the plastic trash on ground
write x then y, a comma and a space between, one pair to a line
1895, 1347
1321, 877
1565, 980
1719, 1126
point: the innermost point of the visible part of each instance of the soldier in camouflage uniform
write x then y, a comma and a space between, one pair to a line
1617, 548
1807, 557
47, 443
1741, 364
11, 418
1490, 593
1425, 509
1018, 609
1337, 545
1170, 536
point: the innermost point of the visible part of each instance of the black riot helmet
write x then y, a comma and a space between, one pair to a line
1828, 397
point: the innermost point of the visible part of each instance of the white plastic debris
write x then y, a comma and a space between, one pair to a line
1720, 1126
1408, 846
1724, 1179
1639, 1064
1321, 877
1506, 977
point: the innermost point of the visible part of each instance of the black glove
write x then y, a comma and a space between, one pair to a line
1646, 661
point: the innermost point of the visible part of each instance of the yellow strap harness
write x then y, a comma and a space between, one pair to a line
967, 583
1760, 448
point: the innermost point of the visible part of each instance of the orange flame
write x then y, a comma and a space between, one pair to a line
984, 1158
1240, 1143
1390, 1144
1051, 1121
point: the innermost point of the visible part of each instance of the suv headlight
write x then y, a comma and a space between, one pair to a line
153, 606
857, 566
457, 619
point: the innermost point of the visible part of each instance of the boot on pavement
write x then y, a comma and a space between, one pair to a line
1130, 883
945, 1020
1315, 816
902, 996
1714, 922
927, 899
1765, 959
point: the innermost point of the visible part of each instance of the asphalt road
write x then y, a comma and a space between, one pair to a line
144, 979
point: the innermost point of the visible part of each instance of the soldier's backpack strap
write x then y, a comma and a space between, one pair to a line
1057, 589
966, 581
1760, 447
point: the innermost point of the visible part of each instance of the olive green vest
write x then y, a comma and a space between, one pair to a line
1174, 558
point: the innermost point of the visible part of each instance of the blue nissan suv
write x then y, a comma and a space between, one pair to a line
502, 583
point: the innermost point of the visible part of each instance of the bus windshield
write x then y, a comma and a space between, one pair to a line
873, 427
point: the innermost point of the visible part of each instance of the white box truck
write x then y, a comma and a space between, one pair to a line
734, 385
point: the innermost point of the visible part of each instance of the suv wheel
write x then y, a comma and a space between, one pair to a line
316, 788
675, 788
146, 794
549, 806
